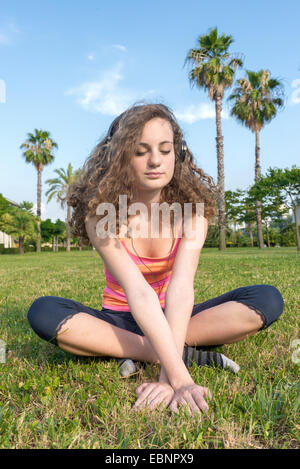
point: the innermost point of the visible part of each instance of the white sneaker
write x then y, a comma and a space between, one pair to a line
126, 366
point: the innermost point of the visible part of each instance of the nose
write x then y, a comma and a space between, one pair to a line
155, 158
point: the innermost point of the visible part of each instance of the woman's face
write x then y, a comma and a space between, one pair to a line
154, 154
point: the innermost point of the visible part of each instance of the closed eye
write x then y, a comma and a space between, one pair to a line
164, 152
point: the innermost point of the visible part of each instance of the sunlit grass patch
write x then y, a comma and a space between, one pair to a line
53, 399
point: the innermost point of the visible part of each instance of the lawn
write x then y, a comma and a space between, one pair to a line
53, 399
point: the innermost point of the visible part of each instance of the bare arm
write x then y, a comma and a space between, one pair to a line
149, 316
180, 293
143, 303
179, 306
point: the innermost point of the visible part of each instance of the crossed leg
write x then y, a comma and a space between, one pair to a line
226, 323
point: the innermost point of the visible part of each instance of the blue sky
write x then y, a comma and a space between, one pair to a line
71, 67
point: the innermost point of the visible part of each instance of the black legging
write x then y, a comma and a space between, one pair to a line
47, 314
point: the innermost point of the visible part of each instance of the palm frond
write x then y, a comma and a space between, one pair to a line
215, 67
255, 102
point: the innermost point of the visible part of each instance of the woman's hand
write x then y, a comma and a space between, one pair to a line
193, 396
153, 394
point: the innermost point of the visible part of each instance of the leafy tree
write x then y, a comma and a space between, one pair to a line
233, 208
288, 235
212, 238
27, 206
281, 185
272, 208
5, 209
59, 186
247, 214
240, 208
256, 100
5, 206
47, 227
19, 222
48, 231
214, 72
37, 149
59, 230
284, 226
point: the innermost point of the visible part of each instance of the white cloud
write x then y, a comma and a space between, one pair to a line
43, 210
105, 96
7, 33
193, 113
91, 57
296, 94
118, 46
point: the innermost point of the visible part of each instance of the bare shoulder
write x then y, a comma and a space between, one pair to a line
117, 260
188, 253
104, 244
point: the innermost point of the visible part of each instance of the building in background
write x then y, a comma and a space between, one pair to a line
7, 240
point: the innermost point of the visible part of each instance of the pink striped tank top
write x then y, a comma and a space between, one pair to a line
114, 297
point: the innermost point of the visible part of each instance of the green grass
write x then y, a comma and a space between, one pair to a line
53, 399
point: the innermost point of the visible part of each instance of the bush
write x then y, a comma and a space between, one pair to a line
4, 250
10, 251
29, 249
288, 236
243, 241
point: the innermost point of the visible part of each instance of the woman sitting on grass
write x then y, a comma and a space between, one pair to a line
148, 311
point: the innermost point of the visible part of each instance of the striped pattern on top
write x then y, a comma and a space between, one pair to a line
114, 297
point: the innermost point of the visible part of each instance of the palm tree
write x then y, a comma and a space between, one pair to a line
37, 150
59, 187
214, 71
19, 223
256, 101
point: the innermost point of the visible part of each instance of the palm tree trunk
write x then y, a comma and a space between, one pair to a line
39, 191
221, 195
250, 233
68, 228
21, 244
235, 233
258, 203
267, 233
297, 229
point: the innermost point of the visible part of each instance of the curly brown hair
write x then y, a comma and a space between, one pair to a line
106, 173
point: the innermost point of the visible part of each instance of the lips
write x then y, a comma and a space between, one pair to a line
153, 174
